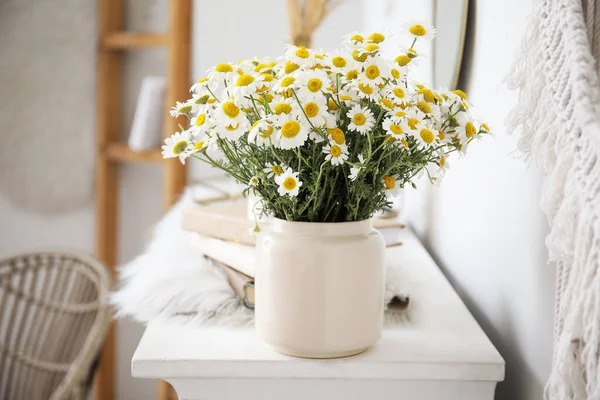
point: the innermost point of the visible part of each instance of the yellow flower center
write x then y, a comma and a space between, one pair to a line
232, 127
338, 61
224, 68
372, 72
428, 95
290, 129
424, 107
265, 133
460, 94
244, 80
185, 109
346, 98
418, 30
371, 47
331, 104
335, 150
202, 80
376, 37
442, 161
302, 52
230, 109
366, 89
337, 135
200, 119
386, 103
314, 85
413, 122
359, 119
357, 38
267, 77
427, 136
211, 100
287, 81
402, 60
359, 56
202, 100
180, 147
198, 146
289, 183
441, 135
311, 109
485, 127
400, 114
352, 74
470, 130
254, 181
277, 170
389, 182
290, 67
404, 143
395, 73
283, 108
396, 129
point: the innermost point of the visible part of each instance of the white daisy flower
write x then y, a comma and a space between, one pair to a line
177, 146
466, 128
336, 153
396, 93
314, 109
420, 29
254, 181
336, 135
438, 168
392, 188
292, 134
395, 127
425, 137
348, 95
284, 84
199, 102
361, 119
376, 71
379, 37
368, 91
232, 130
221, 72
288, 182
299, 55
199, 124
282, 107
262, 131
272, 169
354, 39
200, 86
228, 113
354, 171
340, 61
245, 85
311, 84
414, 120
199, 145
181, 109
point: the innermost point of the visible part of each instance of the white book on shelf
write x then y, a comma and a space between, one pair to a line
147, 125
238, 256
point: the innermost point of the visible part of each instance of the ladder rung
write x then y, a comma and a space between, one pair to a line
125, 40
120, 152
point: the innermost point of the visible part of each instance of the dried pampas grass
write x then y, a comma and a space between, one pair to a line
305, 17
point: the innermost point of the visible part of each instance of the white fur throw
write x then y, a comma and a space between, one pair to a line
172, 281
559, 114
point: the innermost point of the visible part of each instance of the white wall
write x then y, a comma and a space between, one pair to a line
484, 225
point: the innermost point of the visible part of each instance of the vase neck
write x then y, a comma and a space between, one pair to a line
322, 228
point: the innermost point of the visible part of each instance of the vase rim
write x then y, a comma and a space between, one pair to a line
322, 228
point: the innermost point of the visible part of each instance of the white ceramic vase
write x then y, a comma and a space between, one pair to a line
319, 287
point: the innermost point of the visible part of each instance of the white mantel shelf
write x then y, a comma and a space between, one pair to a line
440, 354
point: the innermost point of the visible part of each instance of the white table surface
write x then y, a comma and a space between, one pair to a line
440, 351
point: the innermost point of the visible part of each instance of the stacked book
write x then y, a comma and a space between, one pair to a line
224, 233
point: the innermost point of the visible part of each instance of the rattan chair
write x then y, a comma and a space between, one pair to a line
53, 321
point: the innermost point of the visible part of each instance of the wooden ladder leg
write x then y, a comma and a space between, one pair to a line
108, 104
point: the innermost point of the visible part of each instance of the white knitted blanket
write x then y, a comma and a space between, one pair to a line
559, 116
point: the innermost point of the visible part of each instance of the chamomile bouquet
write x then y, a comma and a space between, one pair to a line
325, 136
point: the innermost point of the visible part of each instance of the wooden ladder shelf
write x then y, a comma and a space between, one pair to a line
112, 41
